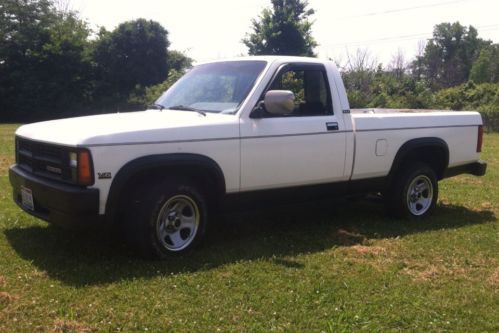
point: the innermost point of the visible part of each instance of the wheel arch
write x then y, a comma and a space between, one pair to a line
198, 167
430, 150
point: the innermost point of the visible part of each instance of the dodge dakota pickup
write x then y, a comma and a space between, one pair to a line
238, 129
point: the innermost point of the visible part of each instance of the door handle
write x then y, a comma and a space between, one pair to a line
332, 126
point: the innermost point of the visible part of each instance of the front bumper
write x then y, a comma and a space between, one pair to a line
57, 203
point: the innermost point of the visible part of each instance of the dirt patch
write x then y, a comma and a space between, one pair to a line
486, 204
476, 269
346, 237
369, 250
6, 298
5, 162
433, 272
494, 278
65, 326
430, 273
380, 256
3, 281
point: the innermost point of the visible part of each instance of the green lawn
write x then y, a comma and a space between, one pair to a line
325, 266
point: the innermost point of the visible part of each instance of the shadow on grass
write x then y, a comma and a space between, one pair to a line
275, 234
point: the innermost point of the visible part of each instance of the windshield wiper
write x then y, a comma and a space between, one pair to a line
156, 106
186, 108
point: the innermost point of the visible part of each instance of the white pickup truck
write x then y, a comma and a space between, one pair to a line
236, 129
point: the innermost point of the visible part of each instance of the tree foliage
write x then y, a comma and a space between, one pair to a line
382, 89
284, 29
179, 61
44, 60
449, 55
135, 53
369, 85
142, 97
486, 67
50, 68
453, 58
476, 97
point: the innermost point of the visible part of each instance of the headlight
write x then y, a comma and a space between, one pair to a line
73, 160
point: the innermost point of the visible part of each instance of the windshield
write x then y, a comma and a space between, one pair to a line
216, 87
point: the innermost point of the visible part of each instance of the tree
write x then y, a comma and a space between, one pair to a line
284, 29
358, 77
369, 85
449, 55
143, 97
416, 67
134, 54
486, 67
178, 61
44, 62
398, 65
50, 68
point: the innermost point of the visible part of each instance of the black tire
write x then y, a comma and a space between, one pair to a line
413, 193
156, 215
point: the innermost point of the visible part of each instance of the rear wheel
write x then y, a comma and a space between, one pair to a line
413, 193
167, 218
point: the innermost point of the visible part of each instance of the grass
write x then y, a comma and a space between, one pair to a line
319, 267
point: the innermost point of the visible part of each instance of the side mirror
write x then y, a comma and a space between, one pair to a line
279, 101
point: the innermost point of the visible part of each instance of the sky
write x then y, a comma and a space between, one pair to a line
208, 30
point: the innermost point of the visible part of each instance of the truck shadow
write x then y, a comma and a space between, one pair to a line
274, 234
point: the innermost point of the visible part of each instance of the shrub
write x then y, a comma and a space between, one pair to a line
468, 96
141, 97
490, 116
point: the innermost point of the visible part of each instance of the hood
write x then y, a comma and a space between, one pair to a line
132, 127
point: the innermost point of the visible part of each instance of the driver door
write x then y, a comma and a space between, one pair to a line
304, 147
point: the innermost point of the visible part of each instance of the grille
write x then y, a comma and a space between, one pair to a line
42, 159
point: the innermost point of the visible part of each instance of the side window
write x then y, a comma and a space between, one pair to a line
312, 96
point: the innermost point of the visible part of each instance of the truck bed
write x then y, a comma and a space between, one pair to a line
379, 134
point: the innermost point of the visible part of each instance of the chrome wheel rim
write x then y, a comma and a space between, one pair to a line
420, 195
177, 223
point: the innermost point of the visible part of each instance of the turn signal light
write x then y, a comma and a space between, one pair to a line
85, 175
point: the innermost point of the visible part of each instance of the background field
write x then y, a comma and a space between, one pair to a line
326, 266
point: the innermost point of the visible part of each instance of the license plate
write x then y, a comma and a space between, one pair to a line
27, 198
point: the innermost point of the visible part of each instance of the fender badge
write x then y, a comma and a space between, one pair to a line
104, 175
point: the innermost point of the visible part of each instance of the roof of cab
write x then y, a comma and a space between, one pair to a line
269, 59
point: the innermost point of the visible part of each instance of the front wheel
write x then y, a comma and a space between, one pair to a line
167, 218
413, 193
177, 222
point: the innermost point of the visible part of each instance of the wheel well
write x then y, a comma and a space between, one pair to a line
202, 177
199, 176
203, 172
433, 152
